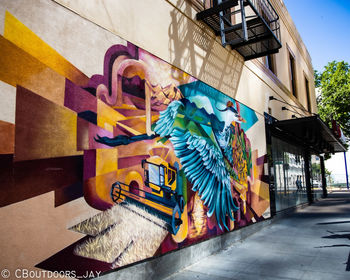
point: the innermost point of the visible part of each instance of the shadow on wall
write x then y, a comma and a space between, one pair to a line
193, 47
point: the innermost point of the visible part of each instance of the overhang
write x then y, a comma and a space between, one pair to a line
311, 132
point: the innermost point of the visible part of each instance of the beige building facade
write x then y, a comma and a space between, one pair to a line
191, 46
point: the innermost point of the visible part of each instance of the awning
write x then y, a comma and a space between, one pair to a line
310, 132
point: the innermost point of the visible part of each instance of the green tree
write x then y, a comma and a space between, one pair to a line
316, 171
329, 176
334, 99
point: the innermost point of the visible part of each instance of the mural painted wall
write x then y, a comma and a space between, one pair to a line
157, 159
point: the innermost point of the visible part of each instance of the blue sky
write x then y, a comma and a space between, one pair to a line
324, 26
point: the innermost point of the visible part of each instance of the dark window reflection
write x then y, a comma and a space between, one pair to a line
288, 162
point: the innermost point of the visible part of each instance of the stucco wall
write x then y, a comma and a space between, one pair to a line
192, 46
168, 29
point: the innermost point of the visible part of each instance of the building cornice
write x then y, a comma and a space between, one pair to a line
293, 32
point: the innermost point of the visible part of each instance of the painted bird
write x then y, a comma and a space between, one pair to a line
205, 160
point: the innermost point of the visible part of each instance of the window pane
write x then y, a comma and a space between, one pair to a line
292, 74
307, 89
153, 171
289, 174
316, 177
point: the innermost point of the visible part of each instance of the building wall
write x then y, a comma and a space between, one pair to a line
57, 178
192, 46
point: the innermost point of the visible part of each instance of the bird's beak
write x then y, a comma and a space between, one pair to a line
242, 120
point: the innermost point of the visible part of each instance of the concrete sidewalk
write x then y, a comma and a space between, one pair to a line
312, 243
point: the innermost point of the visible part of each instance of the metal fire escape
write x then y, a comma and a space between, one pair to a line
251, 27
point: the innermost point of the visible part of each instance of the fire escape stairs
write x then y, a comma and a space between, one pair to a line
251, 27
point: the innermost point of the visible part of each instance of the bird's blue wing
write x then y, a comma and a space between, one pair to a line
228, 151
203, 164
164, 125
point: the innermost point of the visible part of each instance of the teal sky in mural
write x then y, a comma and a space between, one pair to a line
198, 92
249, 116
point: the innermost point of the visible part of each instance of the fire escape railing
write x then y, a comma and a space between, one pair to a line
269, 15
249, 26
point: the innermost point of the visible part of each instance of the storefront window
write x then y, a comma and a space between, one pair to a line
290, 185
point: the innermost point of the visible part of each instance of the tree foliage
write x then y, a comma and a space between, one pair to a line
334, 99
316, 171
